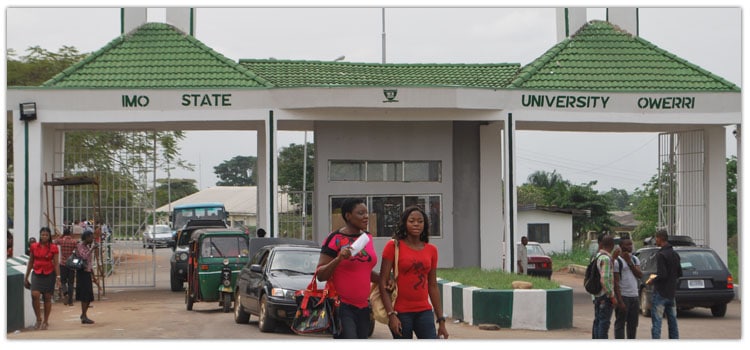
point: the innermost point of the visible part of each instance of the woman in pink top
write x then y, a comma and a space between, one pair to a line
351, 275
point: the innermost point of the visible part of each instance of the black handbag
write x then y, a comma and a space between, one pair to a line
316, 309
75, 262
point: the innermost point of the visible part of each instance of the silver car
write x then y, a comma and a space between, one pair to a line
157, 236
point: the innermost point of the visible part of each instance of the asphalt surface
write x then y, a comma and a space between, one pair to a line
160, 314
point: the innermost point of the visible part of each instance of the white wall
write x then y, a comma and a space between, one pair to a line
385, 141
560, 228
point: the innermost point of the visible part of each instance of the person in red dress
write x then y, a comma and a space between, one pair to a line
44, 260
418, 293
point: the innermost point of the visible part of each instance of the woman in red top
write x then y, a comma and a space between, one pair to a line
43, 258
350, 274
418, 293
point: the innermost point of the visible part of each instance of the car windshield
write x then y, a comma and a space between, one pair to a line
534, 249
295, 261
699, 260
224, 246
162, 229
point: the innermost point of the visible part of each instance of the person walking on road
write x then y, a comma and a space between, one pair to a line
627, 276
67, 275
43, 260
522, 256
604, 301
351, 272
418, 291
668, 271
85, 276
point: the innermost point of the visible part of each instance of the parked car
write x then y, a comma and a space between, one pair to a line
266, 285
540, 264
157, 236
674, 240
178, 262
705, 282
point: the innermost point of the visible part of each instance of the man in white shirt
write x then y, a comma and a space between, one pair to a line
522, 256
627, 275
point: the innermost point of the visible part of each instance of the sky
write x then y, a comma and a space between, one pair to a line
444, 33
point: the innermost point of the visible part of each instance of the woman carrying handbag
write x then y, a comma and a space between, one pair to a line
351, 274
417, 285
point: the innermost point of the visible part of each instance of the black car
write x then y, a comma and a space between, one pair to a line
265, 286
705, 282
178, 262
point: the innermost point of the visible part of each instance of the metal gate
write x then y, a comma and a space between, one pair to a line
126, 176
682, 206
295, 219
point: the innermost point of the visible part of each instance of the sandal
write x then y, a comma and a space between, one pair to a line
44, 326
86, 320
38, 324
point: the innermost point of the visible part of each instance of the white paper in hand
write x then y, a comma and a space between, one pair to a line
360, 243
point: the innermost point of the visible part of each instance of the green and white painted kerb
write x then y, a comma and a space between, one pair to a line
533, 309
20, 314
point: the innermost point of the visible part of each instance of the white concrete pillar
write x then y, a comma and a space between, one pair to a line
716, 189
569, 20
491, 225
183, 18
510, 214
32, 213
131, 18
624, 17
263, 194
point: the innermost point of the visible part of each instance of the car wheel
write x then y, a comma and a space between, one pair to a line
719, 310
265, 323
240, 316
188, 299
645, 305
174, 282
226, 301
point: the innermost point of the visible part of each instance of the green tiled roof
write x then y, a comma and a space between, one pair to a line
156, 55
602, 57
283, 73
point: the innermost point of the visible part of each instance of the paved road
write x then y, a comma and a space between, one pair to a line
158, 313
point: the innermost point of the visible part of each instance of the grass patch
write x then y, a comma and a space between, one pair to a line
492, 279
576, 256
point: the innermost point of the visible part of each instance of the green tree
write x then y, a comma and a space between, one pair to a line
646, 208
238, 171
39, 65
732, 196
619, 199
290, 167
174, 188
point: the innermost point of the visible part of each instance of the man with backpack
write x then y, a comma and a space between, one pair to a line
604, 301
627, 277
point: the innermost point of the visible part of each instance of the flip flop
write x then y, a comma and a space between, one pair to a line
44, 326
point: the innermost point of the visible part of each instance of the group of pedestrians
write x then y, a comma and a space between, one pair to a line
418, 307
620, 275
46, 271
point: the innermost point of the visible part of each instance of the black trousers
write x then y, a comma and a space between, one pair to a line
67, 280
627, 319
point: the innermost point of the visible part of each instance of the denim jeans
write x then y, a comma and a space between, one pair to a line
602, 317
628, 317
355, 322
67, 280
421, 324
659, 305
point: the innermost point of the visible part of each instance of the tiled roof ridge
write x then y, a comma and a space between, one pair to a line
149, 25
89, 58
274, 60
532, 68
687, 63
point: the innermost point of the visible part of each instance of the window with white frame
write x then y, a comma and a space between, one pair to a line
538, 233
385, 212
385, 171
